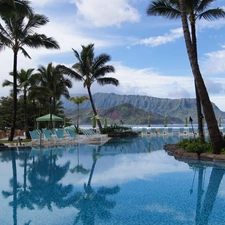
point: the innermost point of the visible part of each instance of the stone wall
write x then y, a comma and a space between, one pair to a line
5, 134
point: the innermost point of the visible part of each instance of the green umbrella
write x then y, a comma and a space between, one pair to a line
185, 121
219, 121
105, 123
149, 121
165, 121
93, 121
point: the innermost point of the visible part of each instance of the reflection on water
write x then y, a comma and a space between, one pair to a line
126, 181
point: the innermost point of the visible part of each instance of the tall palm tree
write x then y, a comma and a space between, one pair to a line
91, 68
78, 100
25, 80
57, 85
8, 6
195, 10
19, 32
214, 132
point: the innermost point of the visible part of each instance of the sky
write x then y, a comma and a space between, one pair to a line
148, 52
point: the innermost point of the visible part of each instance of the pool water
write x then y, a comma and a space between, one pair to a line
130, 181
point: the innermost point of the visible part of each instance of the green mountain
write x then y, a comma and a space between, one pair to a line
177, 108
125, 113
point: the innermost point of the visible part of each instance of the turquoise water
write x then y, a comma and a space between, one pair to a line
123, 182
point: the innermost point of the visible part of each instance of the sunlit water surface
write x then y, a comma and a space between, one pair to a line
127, 181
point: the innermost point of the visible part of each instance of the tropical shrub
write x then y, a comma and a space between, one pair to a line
195, 145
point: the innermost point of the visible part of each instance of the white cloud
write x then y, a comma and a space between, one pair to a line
172, 212
215, 24
173, 35
213, 86
214, 64
146, 81
106, 13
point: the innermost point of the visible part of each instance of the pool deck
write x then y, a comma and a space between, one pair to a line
5, 146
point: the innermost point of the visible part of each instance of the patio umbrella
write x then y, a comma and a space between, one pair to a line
93, 121
46, 118
165, 121
105, 122
186, 121
149, 121
219, 121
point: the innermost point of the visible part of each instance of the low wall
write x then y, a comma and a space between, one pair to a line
5, 134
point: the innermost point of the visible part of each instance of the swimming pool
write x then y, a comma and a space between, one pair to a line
123, 182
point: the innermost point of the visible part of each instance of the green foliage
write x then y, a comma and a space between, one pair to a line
118, 131
32, 112
195, 145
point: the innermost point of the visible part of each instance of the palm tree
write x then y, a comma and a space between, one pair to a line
56, 84
91, 68
195, 10
93, 203
37, 95
25, 80
214, 132
19, 31
78, 100
8, 6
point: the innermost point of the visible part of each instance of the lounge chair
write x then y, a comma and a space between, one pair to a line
73, 136
161, 131
169, 131
92, 136
35, 137
145, 132
61, 137
153, 131
182, 132
48, 136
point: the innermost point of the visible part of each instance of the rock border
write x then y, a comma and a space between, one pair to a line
181, 155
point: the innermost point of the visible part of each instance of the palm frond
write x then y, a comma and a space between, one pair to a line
212, 14
100, 61
103, 70
40, 40
70, 72
7, 83
108, 80
202, 5
35, 21
166, 8
24, 52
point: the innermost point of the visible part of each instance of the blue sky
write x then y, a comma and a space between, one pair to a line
148, 52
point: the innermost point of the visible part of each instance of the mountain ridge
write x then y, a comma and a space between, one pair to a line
179, 108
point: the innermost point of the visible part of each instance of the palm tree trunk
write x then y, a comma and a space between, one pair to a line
210, 118
50, 112
13, 124
25, 115
210, 196
94, 109
15, 185
78, 112
198, 102
199, 116
34, 110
